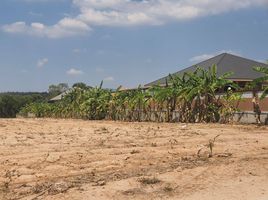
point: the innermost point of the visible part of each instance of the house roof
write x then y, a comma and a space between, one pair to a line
242, 68
60, 96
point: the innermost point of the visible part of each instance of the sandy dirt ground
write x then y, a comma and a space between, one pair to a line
99, 160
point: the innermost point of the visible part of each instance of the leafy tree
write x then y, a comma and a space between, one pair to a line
8, 106
230, 102
206, 86
11, 103
263, 79
118, 105
80, 85
138, 103
96, 103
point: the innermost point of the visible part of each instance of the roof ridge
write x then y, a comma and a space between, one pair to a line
197, 64
249, 59
224, 54
225, 61
194, 65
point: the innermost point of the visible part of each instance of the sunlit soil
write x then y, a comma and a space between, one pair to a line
75, 159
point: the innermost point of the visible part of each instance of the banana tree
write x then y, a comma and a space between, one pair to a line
72, 103
118, 105
204, 85
178, 86
96, 103
160, 96
263, 79
139, 101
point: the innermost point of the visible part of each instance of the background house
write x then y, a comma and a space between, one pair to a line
243, 74
60, 96
242, 69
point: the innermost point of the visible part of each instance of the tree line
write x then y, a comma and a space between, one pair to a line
12, 102
193, 96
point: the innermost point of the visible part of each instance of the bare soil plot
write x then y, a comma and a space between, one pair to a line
75, 159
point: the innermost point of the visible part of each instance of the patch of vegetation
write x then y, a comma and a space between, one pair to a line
149, 181
210, 146
192, 95
168, 188
12, 103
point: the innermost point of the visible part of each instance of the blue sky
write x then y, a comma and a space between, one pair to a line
123, 42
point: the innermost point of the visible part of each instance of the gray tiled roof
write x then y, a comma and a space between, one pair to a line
241, 68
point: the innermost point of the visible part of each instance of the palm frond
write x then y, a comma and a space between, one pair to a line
261, 69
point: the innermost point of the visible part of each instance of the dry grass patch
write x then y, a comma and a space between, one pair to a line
149, 180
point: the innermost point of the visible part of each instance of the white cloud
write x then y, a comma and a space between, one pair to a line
109, 78
42, 62
40, 1
129, 13
154, 12
64, 28
74, 72
17, 27
203, 57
